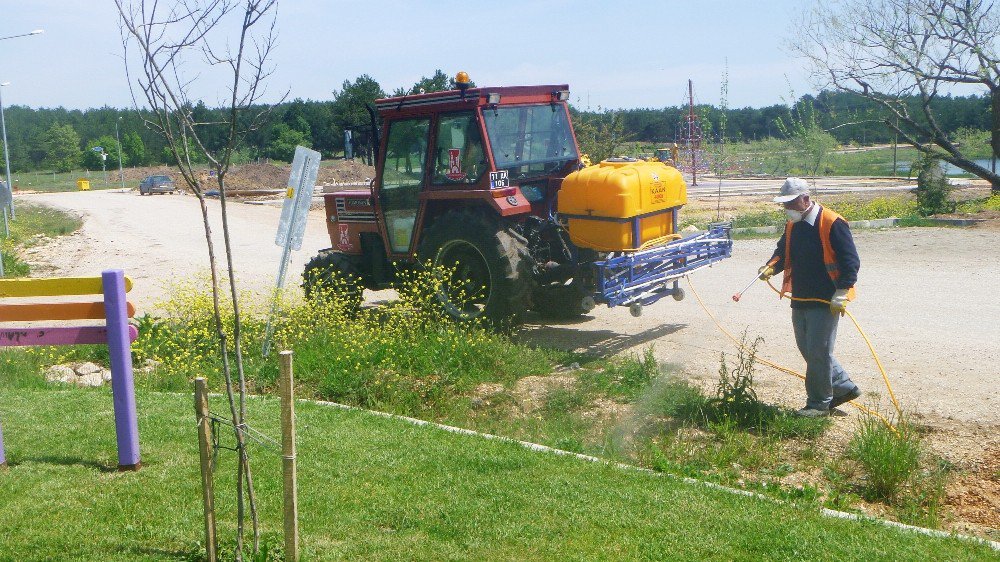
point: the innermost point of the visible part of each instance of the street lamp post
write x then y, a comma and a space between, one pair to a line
35, 32
3, 125
121, 173
6, 153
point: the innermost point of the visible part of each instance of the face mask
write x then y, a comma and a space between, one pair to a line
793, 215
796, 216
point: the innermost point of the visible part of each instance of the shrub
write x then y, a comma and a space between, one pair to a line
932, 188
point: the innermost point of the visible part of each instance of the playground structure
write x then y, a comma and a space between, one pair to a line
116, 333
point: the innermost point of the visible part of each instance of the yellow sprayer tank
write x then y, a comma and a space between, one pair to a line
621, 203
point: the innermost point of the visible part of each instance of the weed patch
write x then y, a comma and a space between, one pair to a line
760, 218
736, 402
896, 470
407, 356
889, 458
971, 206
34, 223
877, 208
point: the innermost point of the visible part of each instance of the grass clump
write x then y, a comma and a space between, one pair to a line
896, 470
624, 378
888, 457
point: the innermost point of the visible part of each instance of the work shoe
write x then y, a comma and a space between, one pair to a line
812, 413
851, 395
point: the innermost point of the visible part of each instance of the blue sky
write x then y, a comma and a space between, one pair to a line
612, 54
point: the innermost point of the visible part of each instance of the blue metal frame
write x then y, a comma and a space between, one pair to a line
646, 276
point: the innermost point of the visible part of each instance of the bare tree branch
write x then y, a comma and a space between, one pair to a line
162, 42
892, 51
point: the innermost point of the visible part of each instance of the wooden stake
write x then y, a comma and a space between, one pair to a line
205, 445
288, 458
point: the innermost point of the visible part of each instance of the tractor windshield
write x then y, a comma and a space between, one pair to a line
530, 140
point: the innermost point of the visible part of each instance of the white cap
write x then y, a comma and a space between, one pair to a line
792, 189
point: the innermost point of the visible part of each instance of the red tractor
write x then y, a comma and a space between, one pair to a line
470, 179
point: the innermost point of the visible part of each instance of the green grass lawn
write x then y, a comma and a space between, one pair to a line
66, 181
376, 488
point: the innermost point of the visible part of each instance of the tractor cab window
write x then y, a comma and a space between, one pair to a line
402, 176
530, 140
459, 155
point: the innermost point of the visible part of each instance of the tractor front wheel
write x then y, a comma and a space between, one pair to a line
488, 275
333, 275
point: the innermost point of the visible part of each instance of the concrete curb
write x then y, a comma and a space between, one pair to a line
956, 222
873, 223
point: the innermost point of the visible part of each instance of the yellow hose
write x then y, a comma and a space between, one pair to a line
740, 345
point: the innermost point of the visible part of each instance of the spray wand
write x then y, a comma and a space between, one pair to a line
736, 297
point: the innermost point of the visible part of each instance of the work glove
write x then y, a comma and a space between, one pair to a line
838, 303
765, 272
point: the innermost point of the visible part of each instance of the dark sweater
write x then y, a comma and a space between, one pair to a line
809, 276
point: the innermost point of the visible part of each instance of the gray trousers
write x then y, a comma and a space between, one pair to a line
815, 335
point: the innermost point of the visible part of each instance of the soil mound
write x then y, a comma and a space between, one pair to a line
262, 175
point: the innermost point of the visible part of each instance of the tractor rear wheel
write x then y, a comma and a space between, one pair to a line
490, 277
333, 275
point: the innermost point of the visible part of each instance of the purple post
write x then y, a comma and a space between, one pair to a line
122, 385
3, 457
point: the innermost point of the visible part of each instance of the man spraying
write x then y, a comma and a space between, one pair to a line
819, 261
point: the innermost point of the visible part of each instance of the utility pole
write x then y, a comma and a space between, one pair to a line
895, 140
693, 134
121, 173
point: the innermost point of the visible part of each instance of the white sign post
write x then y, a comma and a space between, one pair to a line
292, 225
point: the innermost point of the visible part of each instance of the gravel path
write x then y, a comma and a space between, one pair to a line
926, 300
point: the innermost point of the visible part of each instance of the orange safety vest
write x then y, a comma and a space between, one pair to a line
826, 219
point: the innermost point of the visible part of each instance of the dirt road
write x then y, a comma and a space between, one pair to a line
926, 300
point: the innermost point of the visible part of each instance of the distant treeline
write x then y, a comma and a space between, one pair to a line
848, 117
61, 139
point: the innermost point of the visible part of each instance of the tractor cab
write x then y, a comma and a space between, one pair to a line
492, 147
